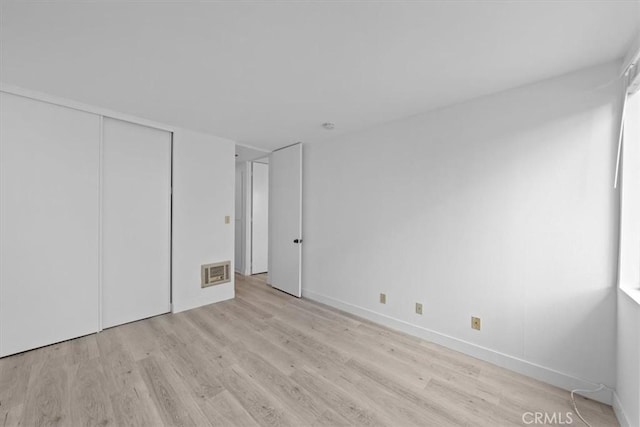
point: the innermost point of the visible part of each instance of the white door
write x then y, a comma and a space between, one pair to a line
285, 219
259, 218
136, 221
48, 223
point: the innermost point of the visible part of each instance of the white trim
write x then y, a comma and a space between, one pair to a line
64, 102
619, 411
530, 369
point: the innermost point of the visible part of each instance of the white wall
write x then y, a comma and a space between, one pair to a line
203, 194
628, 355
501, 208
627, 404
630, 195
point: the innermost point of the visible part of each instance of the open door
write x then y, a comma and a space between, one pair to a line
285, 219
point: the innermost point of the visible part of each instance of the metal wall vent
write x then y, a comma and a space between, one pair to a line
215, 274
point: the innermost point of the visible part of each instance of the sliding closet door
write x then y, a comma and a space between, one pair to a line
136, 194
49, 204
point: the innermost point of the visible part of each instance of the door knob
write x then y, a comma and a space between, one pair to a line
297, 241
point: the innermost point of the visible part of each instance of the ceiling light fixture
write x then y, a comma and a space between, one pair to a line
328, 126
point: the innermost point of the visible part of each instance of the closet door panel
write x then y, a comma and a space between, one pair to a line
136, 193
49, 205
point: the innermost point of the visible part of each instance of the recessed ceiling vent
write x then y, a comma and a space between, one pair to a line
215, 274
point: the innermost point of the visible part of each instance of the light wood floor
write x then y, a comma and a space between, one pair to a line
266, 358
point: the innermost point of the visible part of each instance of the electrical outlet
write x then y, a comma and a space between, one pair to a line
418, 308
475, 323
227, 219
383, 298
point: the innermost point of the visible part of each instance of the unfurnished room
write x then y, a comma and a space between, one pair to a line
320, 213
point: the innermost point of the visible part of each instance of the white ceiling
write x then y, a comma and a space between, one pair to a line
269, 73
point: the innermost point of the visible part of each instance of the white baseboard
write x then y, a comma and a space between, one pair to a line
619, 410
521, 366
204, 296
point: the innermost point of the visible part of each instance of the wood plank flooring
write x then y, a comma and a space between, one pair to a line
266, 358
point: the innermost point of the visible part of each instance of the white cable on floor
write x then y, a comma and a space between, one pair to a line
573, 399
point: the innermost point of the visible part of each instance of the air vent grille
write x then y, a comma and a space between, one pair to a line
215, 274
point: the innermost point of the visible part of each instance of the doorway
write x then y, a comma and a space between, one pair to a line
269, 217
259, 216
252, 211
